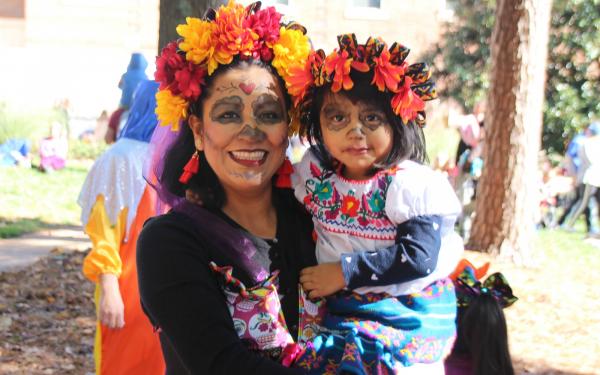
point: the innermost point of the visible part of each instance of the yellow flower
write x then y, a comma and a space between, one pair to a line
199, 42
170, 109
291, 50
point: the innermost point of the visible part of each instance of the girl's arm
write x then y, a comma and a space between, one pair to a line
414, 255
182, 297
103, 263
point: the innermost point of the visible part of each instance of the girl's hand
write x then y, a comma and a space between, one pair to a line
111, 311
322, 280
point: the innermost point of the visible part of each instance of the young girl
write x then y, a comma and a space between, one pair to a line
364, 183
481, 346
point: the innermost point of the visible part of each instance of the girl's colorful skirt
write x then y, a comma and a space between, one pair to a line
381, 334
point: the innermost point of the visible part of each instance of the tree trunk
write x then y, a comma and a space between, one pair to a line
174, 12
507, 195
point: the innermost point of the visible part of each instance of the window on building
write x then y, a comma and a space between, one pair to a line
366, 3
366, 10
12, 8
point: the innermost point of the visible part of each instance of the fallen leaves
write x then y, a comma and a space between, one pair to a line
47, 319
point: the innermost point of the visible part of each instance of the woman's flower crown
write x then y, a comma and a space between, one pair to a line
232, 30
410, 84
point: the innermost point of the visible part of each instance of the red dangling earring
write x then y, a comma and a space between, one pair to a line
283, 175
191, 168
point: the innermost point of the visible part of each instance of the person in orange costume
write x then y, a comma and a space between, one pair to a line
116, 201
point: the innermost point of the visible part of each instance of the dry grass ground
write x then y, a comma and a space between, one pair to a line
554, 328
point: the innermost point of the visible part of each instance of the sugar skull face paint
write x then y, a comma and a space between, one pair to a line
243, 132
358, 135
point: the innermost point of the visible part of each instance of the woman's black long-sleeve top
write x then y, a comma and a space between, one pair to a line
181, 295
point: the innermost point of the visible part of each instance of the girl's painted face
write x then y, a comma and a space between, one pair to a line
243, 130
357, 135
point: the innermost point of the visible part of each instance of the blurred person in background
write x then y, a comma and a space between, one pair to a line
571, 165
136, 73
101, 126
54, 149
115, 202
469, 127
589, 174
15, 152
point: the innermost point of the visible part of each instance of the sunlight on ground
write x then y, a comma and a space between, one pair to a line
555, 325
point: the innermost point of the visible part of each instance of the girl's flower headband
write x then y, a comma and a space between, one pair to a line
410, 84
232, 30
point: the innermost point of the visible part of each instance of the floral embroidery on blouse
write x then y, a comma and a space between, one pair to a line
362, 215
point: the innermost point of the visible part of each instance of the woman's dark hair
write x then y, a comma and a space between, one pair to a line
205, 183
483, 337
408, 139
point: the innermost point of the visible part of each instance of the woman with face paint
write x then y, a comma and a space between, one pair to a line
219, 281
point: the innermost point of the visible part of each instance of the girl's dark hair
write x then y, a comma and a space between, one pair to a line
205, 183
408, 139
483, 337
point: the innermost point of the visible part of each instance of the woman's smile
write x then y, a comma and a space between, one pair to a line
249, 158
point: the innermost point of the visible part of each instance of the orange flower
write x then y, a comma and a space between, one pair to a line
301, 78
339, 64
232, 36
387, 74
406, 103
350, 206
298, 82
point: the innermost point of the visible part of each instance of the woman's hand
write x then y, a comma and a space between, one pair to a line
322, 280
111, 311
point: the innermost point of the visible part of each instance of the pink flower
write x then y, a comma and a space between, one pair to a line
338, 64
265, 23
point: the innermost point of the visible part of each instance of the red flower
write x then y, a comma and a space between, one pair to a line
406, 103
363, 221
314, 170
190, 80
167, 64
307, 199
265, 23
181, 77
332, 214
387, 74
350, 206
339, 64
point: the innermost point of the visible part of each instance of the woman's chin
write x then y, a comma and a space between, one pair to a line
249, 179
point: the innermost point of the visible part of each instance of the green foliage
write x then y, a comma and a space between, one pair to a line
15, 228
461, 59
573, 71
79, 149
573, 86
31, 125
26, 193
